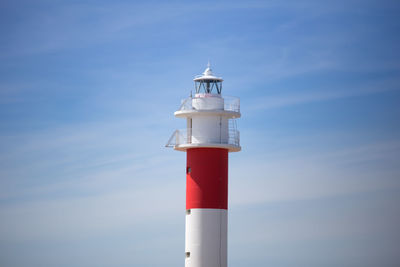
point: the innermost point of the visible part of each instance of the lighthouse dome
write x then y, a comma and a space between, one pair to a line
208, 75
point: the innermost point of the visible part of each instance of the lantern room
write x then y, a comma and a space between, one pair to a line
208, 83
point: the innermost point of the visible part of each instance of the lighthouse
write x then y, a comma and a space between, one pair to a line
208, 138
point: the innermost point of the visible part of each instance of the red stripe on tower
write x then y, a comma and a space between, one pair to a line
207, 178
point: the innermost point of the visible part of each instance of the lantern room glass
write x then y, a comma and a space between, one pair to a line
208, 86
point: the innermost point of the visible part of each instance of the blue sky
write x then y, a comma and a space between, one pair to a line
87, 95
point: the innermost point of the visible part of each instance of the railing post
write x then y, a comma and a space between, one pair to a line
189, 135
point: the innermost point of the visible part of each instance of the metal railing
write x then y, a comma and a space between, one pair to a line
231, 103
185, 137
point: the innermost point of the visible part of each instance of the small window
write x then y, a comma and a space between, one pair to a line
188, 170
188, 212
187, 254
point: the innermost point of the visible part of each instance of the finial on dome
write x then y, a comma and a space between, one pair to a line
208, 71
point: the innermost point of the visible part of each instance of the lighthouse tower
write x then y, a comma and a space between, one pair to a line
210, 135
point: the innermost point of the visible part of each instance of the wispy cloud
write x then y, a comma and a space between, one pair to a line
77, 154
296, 174
323, 94
85, 216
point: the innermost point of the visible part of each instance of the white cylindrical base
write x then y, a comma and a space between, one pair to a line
206, 238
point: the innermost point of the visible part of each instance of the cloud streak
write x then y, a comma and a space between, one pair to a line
326, 94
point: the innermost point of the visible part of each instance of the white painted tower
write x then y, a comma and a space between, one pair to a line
210, 134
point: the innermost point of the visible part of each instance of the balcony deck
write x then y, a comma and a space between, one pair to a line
183, 139
231, 108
